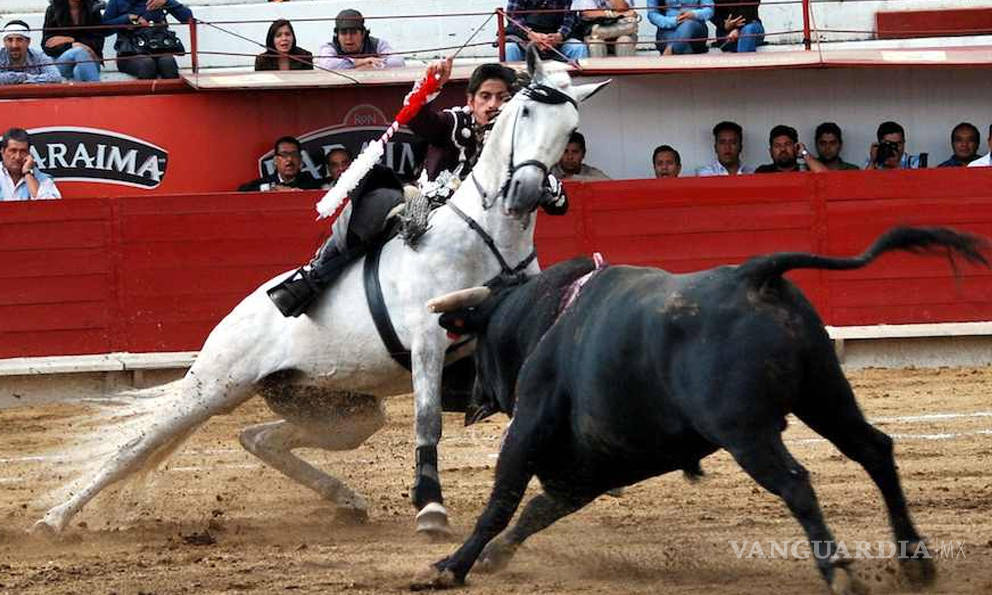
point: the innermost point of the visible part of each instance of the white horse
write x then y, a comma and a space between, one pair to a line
326, 373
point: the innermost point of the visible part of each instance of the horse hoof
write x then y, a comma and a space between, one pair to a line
432, 521
918, 571
495, 557
351, 515
433, 579
43, 528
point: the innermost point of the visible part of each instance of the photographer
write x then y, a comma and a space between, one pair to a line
890, 150
138, 59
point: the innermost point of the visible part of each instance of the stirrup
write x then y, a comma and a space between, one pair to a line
294, 295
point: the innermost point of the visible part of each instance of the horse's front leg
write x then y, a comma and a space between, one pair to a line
427, 363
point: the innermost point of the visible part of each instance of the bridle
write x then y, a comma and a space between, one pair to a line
541, 94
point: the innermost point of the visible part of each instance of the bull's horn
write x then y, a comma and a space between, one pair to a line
462, 298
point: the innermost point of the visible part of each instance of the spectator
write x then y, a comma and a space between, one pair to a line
570, 166
354, 47
132, 58
281, 51
829, 144
337, 160
890, 150
21, 64
728, 137
985, 161
784, 148
667, 162
738, 28
608, 26
550, 31
680, 30
288, 175
20, 178
965, 139
78, 53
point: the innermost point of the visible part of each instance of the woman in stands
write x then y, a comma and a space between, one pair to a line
77, 52
132, 59
281, 51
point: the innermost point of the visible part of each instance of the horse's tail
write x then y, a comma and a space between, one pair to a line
110, 424
918, 240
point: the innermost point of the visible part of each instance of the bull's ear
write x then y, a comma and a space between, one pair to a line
583, 92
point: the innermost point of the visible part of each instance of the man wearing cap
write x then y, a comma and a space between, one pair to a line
353, 46
19, 177
21, 64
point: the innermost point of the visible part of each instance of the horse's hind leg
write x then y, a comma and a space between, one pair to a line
191, 406
830, 410
274, 443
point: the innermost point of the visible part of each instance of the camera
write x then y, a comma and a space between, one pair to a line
886, 150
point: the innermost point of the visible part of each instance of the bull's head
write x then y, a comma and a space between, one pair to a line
467, 312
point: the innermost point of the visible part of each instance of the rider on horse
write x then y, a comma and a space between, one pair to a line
455, 137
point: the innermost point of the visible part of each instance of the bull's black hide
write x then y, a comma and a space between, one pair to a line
648, 372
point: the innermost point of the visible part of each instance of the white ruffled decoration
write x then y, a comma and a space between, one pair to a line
350, 178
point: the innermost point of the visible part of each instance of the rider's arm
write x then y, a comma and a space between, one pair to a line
434, 126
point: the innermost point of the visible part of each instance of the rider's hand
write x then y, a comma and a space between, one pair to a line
441, 69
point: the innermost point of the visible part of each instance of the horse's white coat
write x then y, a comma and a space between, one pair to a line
336, 347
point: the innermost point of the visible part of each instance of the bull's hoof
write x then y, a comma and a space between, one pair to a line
495, 557
432, 521
918, 571
434, 578
845, 581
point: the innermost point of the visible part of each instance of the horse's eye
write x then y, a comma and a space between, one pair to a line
525, 112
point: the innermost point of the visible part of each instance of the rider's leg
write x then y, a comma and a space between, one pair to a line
368, 219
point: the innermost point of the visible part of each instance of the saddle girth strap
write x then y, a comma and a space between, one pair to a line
505, 268
377, 307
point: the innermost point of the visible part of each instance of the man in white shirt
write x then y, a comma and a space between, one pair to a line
728, 138
985, 161
20, 179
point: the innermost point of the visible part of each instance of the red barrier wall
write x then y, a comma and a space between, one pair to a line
140, 274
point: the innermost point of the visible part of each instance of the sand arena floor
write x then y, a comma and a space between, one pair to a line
216, 520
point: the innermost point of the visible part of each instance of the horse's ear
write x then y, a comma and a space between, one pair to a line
583, 92
534, 66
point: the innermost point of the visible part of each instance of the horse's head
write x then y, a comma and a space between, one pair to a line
534, 129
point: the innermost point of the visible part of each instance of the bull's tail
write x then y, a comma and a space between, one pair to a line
920, 240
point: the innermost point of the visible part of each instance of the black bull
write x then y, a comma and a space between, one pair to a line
648, 372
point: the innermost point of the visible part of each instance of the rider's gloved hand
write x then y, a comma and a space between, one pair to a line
554, 201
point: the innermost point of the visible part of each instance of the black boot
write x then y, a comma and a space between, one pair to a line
294, 295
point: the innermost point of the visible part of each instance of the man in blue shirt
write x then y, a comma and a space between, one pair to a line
21, 64
890, 150
680, 30
19, 177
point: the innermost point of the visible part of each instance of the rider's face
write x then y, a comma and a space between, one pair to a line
487, 100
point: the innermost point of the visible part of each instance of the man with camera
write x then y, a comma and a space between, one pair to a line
890, 150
